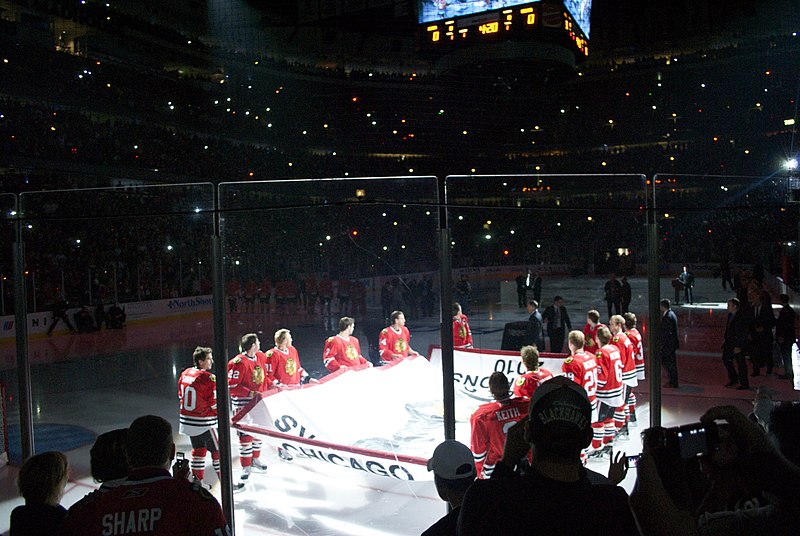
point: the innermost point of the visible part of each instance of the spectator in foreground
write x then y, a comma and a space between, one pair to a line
41, 482
150, 499
746, 453
107, 458
555, 497
453, 473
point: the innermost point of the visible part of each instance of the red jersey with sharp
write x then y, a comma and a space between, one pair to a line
391, 342
527, 384
149, 501
340, 351
287, 365
197, 391
609, 376
462, 335
490, 424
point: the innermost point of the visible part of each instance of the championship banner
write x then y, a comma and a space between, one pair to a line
385, 421
473, 366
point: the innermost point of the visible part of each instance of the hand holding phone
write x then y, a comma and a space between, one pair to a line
180, 468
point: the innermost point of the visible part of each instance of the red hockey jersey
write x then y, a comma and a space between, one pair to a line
638, 351
287, 365
590, 337
609, 376
391, 342
340, 352
197, 391
149, 501
626, 353
527, 384
462, 335
490, 424
246, 377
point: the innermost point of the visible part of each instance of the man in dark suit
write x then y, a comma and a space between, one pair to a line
535, 334
537, 288
761, 333
668, 343
786, 336
558, 324
734, 344
522, 288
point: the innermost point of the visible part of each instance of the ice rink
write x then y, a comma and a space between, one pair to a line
96, 382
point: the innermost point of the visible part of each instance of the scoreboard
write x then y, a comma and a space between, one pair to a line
482, 24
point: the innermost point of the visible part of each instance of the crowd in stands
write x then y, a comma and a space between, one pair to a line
690, 113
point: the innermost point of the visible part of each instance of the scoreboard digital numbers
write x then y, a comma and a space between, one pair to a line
467, 21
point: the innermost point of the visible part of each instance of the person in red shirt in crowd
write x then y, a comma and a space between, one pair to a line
197, 392
250, 293
462, 335
286, 361
490, 423
325, 295
627, 352
610, 389
249, 373
527, 384
358, 296
150, 500
638, 359
233, 290
581, 367
312, 291
394, 341
343, 351
343, 293
590, 330
264, 295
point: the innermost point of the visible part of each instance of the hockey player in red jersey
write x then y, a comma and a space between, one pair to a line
581, 367
197, 392
343, 351
610, 390
527, 384
248, 374
490, 423
627, 353
462, 335
286, 361
638, 358
590, 331
394, 341
150, 500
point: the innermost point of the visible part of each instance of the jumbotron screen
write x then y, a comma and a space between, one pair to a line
436, 10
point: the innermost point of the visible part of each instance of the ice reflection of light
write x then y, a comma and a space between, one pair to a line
350, 528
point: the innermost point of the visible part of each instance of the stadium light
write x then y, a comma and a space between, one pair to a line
791, 164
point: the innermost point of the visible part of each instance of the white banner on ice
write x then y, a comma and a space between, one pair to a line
473, 366
384, 421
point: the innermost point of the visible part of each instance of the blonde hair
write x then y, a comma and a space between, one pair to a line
280, 336
530, 357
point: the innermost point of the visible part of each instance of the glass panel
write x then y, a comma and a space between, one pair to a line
541, 237
8, 376
118, 298
736, 237
300, 255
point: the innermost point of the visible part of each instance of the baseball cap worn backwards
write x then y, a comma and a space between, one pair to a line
561, 402
452, 460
